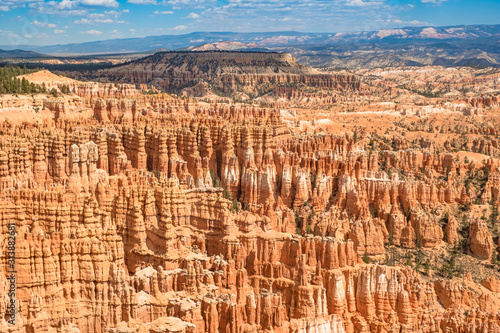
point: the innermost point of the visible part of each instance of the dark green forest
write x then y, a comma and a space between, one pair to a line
10, 84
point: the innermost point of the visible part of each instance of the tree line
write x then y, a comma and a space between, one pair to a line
10, 84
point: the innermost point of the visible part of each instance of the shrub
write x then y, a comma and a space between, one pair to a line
313, 182
298, 219
427, 265
234, 206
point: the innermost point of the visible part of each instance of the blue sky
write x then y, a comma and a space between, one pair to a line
46, 22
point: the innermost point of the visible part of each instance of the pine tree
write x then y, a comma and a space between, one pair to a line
409, 258
10, 84
427, 265
234, 207
494, 216
494, 260
25, 86
298, 220
218, 183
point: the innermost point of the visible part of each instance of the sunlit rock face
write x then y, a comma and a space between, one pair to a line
154, 213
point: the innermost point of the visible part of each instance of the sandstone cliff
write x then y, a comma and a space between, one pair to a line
225, 72
151, 213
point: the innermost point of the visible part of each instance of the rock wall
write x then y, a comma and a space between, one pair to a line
224, 72
222, 219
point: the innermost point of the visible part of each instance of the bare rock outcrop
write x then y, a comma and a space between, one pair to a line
480, 239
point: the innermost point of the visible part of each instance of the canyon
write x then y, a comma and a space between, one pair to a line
362, 201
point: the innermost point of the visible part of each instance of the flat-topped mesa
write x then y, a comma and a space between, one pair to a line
224, 71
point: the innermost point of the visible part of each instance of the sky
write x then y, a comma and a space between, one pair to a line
48, 22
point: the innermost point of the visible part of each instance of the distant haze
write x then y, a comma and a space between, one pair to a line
270, 40
45, 22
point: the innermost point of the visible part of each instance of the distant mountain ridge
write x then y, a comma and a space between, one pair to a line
270, 39
477, 45
19, 54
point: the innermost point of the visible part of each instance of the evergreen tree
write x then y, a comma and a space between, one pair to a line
494, 216
25, 86
234, 207
10, 84
427, 266
494, 260
298, 220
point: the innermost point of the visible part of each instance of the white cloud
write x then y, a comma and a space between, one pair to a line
435, 2
68, 7
113, 12
411, 23
58, 32
12, 38
180, 28
143, 2
165, 12
177, 4
63, 8
43, 24
92, 32
97, 15
185, 3
235, 15
64, 4
97, 21
132, 30
102, 3
361, 3
295, 15
8, 33
420, 23
7, 5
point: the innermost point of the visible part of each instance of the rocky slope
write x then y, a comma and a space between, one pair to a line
153, 213
224, 72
